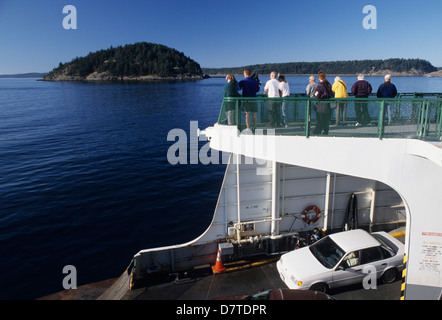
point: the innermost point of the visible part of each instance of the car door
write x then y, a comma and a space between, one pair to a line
373, 258
349, 271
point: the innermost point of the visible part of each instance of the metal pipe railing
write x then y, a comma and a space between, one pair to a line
403, 117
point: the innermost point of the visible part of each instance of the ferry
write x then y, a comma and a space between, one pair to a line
282, 183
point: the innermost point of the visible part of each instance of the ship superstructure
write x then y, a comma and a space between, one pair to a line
281, 182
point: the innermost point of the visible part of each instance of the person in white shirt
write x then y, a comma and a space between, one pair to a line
284, 90
272, 90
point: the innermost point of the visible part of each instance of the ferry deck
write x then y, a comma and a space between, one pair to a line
393, 164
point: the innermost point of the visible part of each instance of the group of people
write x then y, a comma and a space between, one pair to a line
360, 89
250, 86
323, 90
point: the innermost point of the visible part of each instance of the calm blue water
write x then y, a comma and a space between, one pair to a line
85, 181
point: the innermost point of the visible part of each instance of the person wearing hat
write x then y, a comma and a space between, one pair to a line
387, 90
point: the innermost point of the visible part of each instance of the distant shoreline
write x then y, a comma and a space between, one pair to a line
41, 76
23, 75
395, 66
104, 77
437, 74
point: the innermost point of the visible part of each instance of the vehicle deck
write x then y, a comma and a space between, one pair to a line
249, 281
244, 278
250, 277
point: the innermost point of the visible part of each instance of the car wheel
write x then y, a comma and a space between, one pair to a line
389, 276
320, 287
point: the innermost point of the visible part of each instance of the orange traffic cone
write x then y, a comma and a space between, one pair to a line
218, 267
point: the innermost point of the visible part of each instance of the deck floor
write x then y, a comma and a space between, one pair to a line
241, 282
250, 281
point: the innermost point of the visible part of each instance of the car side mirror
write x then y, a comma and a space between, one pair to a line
340, 268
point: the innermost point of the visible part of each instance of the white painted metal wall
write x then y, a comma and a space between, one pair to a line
298, 188
412, 168
258, 216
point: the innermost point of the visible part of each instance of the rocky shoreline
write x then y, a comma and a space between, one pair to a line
104, 76
436, 74
411, 73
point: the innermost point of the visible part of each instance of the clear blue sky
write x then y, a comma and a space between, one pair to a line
220, 33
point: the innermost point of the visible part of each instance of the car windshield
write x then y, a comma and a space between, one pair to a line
327, 252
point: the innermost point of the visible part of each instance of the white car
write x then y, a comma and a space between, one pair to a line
342, 259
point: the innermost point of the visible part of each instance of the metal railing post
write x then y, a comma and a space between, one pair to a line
307, 119
438, 120
422, 115
426, 106
221, 111
381, 125
237, 118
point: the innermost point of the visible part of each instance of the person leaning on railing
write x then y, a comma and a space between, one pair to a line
272, 89
284, 90
311, 87
339, 88
230, 90
387, 90
310, 93
323, 112
361, 89
249, 87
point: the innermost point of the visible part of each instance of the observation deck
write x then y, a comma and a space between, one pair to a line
409, 116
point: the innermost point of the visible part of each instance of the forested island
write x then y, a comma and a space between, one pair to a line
149, 61
397, 67
139, 61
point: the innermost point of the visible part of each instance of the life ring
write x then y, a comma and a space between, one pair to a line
306, 214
